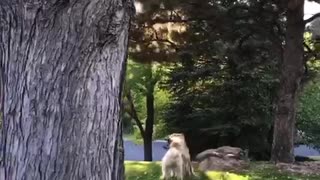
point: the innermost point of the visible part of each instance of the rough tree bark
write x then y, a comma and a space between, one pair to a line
291, 74
63, 64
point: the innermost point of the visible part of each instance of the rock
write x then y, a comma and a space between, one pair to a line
229, 151
224, 158
222, 152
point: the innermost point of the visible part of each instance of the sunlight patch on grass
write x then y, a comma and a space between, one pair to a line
138, 170
226, 176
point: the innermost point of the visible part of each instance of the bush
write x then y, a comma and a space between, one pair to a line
308, 115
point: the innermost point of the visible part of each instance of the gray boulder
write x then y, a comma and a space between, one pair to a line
224, 158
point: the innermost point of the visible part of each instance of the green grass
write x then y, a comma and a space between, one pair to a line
138, 170
133, 138
266, 170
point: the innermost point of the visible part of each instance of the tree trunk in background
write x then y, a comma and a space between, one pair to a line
291, 74
1, 101
148, 133
63, 64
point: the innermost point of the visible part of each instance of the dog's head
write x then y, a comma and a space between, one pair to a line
176, 138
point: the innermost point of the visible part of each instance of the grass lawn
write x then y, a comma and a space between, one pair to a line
139, 170
317, 158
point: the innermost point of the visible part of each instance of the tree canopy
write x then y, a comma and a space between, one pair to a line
225, 58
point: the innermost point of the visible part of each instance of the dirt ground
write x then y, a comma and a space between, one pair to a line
306, 168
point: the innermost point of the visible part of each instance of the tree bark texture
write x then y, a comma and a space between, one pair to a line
291, 74
63, 63
148, 133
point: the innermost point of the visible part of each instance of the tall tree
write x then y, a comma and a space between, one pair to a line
63, 64
290, 77
151, 42
140, 89
224, 85
147, 131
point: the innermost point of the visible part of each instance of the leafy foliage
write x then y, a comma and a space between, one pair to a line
308, 118
137, 82
309, 114
225, 57
226, 82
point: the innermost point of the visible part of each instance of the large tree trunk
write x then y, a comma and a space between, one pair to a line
291, 74
148, 133
63, 64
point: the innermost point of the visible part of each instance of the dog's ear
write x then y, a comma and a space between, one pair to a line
168, 140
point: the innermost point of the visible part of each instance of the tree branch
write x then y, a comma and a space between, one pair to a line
307, 47
310, 53
312, 18
134, 113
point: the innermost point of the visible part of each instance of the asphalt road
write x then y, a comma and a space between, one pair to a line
134, 152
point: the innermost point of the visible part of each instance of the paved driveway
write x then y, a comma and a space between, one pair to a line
134, 152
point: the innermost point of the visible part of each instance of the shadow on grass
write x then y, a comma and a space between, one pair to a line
267, 171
